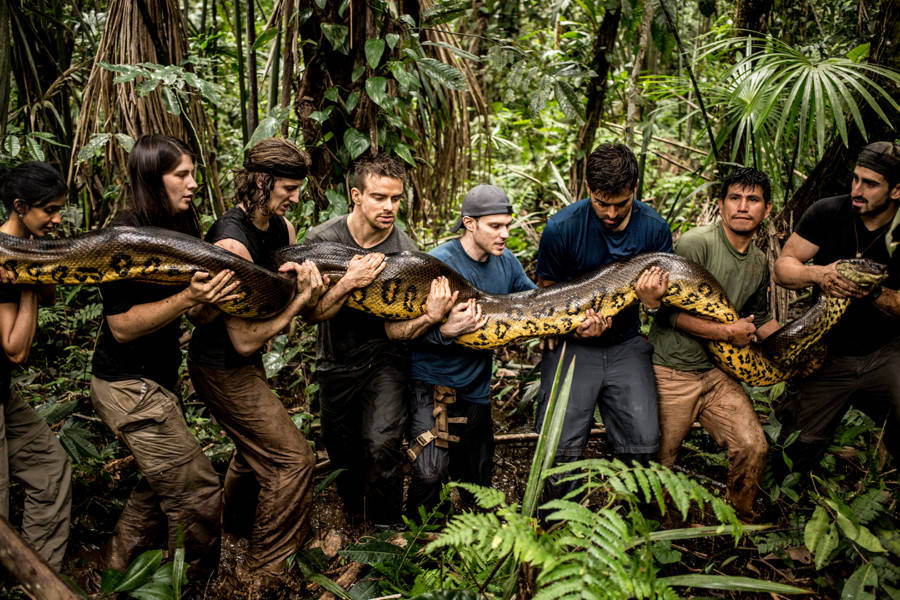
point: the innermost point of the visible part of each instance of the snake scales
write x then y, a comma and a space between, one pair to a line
399, 292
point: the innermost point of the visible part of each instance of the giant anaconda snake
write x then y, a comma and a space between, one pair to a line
399, 292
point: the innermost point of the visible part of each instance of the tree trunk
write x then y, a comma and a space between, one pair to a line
252, 82
289, 29
604, 43
36, 576
242, 84
831, 175
631, 114
5, 49
141, 31
752, 15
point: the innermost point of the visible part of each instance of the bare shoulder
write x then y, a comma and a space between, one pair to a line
235, 247
292, 231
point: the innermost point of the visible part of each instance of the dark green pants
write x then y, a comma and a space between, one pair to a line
30, 453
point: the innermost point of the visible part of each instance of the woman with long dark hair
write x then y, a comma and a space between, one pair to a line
135, 372
33, 193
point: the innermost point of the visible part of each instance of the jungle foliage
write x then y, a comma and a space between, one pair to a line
468, 91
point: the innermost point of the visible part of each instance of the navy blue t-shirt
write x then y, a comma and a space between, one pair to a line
436, 360
575, 242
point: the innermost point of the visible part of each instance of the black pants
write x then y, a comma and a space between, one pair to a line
363, 420
620, 380
816, 404
470, 460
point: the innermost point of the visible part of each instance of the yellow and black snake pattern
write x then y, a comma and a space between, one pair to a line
143, 254
399, 292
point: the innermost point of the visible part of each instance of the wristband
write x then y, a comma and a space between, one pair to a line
876, 292
652, 311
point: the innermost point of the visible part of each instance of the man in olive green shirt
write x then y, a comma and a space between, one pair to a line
690, 386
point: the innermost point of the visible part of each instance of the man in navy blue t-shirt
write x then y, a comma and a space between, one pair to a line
613, 367
449, 381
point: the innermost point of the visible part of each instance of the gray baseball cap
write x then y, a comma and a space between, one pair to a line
484, 199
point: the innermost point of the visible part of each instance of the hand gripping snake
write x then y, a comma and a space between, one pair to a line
400, 291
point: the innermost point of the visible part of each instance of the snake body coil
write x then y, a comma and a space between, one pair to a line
400, 291
144, 254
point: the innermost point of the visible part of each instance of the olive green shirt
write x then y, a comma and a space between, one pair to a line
745, 279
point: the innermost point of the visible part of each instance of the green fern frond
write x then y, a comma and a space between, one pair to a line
487, 498
869, 505
494, 535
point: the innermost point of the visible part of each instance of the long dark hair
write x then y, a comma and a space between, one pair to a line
34, 183
268, 159
152, 157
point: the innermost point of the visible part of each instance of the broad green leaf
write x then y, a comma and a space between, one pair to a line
56, 411
320, 116
178, 569
34, 148
173, 107
392, 39
111, 578
860, 53
357, 73
374, 50
376, 88
442, 73
332, 94
126, 141
820, 536
93, 147
269, 125
374, 553
154, 590
406, 153
139, 571
730, 582
355, 142
13, 146
352, 101
337, 201
264, 38
403, 76
336, 34
856, 533
863, 577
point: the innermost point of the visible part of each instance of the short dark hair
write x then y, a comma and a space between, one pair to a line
381, 164
611, 169
151, 157
34, 183
747, 177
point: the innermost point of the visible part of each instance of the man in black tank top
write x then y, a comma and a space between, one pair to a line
864, 347
268, 491
363, 376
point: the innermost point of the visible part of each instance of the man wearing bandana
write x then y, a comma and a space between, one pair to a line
268, 486
864, 347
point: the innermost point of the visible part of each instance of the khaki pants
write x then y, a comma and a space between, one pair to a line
269, 480
722, 407
30, 453
180, 488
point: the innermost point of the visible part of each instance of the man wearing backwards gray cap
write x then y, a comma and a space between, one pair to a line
450, 426
864, 347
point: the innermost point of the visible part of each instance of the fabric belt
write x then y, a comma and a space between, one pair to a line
440, 433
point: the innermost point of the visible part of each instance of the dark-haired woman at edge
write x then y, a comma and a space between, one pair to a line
33, 193
135, 372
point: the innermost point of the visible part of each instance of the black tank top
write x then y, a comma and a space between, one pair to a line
210, 345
